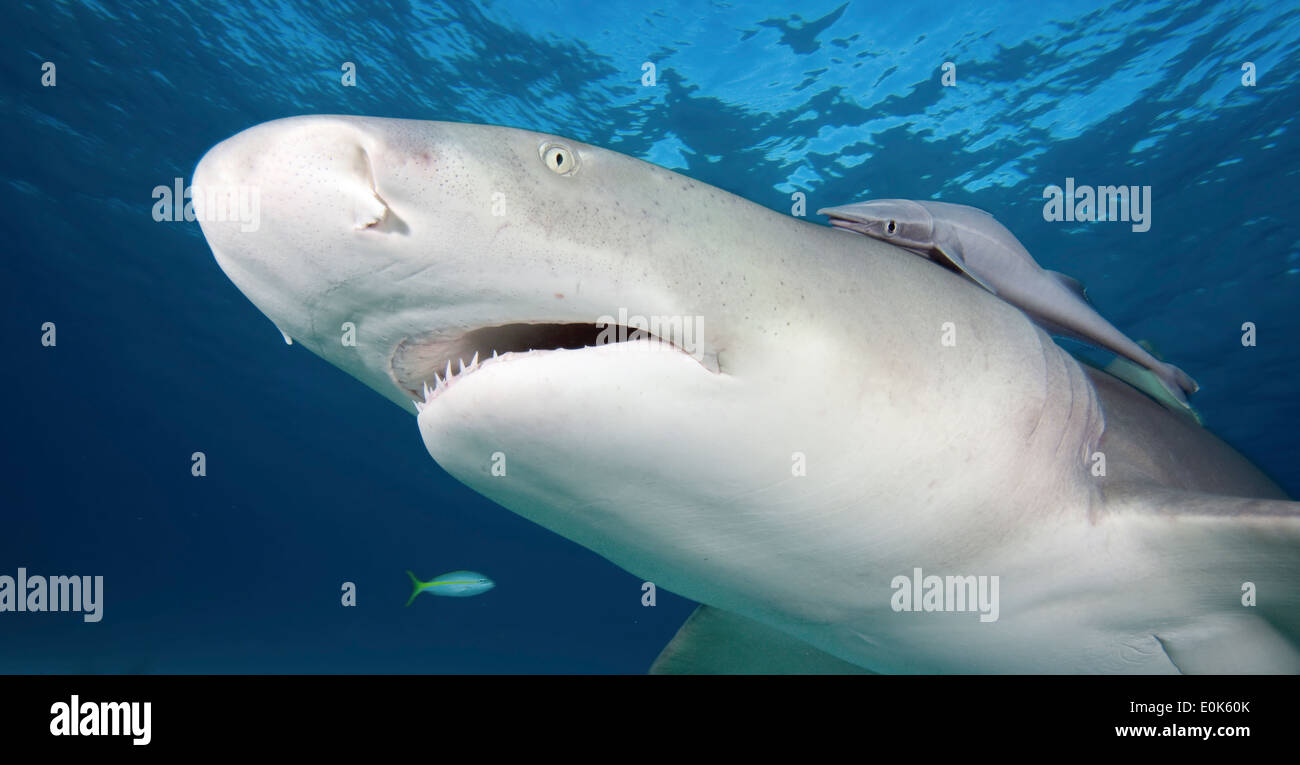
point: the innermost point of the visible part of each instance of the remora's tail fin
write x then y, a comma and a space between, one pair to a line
1160, 380
417, 586
1177, 382
1184, 380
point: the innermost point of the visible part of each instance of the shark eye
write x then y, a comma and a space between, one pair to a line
891, 227
559, 159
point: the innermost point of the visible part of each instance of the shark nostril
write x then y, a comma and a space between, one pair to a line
375, 214
372, 212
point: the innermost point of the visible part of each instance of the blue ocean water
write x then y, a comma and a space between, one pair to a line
314, 480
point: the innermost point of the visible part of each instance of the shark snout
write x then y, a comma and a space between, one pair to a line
301, 166
303, 187
296, 209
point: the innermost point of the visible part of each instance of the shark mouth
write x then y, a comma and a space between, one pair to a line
425, 367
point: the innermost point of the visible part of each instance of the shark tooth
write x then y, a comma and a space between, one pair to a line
473, 364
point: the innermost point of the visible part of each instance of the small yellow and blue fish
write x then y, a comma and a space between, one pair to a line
457, 584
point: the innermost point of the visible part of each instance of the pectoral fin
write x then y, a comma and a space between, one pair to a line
716, 642
1246, 645
948, 253
1236, 561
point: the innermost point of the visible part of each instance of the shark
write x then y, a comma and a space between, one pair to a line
846, 440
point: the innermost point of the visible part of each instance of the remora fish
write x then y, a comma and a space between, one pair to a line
973, 242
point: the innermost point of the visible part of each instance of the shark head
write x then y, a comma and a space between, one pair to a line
573, 348
716, 397
434, 242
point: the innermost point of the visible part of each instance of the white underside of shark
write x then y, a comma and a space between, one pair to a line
816, 441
